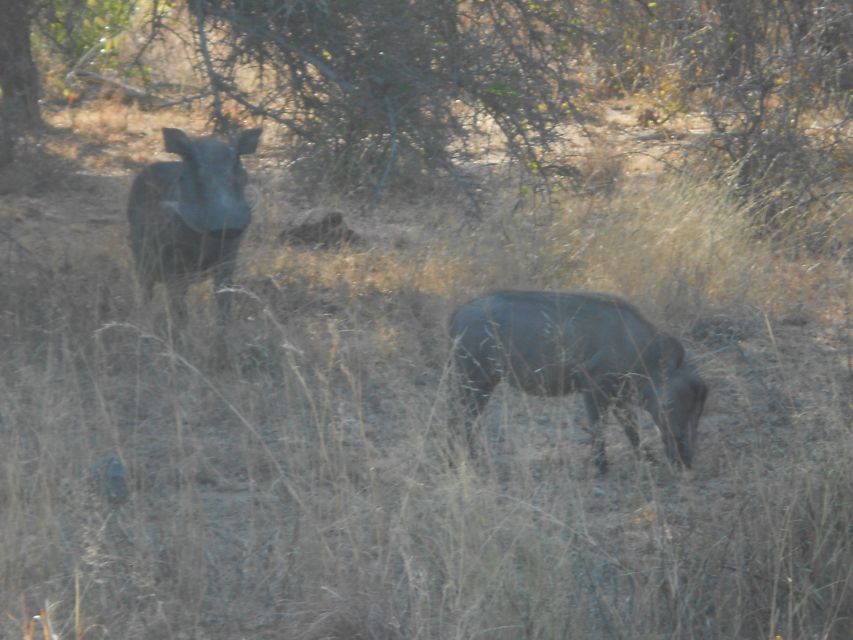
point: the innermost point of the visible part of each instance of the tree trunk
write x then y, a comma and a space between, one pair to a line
19, 79
7, 142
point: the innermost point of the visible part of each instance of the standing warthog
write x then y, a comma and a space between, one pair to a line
187, 218
551, 344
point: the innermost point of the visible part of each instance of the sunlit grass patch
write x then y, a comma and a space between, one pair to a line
385, 270
681, 244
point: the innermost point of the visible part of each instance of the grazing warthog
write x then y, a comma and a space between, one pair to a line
187, 218
551, 344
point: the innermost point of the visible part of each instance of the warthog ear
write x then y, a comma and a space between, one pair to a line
663, 355
247, 141
177, 141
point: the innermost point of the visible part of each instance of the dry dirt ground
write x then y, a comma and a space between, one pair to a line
341, 344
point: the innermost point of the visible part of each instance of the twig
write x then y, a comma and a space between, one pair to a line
324, 69
392, 154
208, 64
96, 78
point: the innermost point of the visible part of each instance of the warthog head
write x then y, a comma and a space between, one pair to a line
675, 398
210, 195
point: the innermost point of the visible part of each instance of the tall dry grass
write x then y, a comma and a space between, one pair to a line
289, 476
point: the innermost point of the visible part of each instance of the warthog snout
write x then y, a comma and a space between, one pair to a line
551, 344
187, 218
676, 411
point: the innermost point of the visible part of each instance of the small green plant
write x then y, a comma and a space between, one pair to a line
74, 28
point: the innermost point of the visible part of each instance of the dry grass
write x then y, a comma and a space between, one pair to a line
288, 473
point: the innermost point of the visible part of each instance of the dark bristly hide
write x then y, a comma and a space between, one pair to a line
550, 344
187, 218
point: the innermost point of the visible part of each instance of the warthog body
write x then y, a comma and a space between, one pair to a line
551, 344
187, 218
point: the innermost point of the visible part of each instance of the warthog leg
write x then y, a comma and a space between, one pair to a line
596, 403
222, 280
627, 417
473, 399
176, 291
